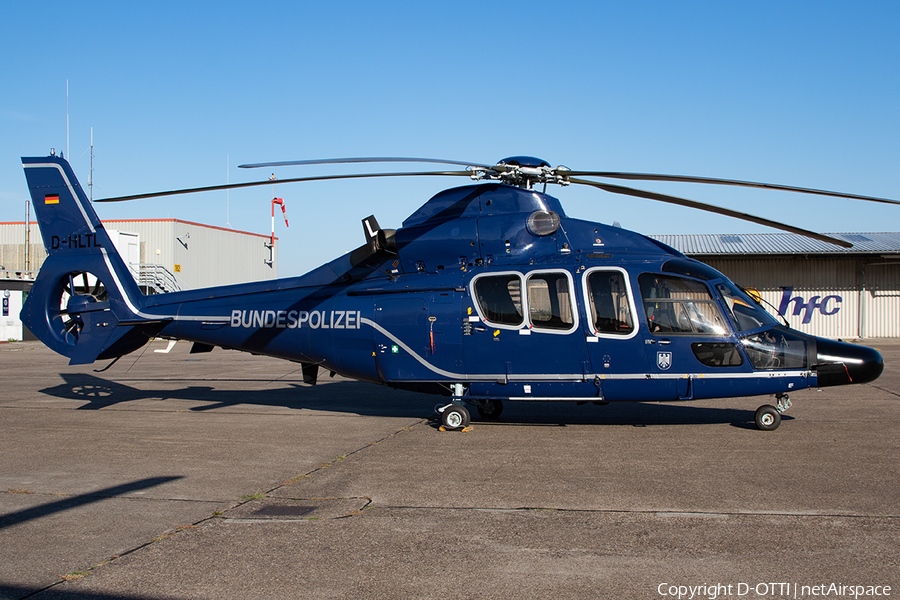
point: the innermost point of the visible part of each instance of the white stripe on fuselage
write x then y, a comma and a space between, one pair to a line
574, 376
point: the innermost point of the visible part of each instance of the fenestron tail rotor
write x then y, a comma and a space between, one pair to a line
526, 171
71, 324
77, 291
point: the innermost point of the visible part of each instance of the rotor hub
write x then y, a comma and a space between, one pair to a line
523, 171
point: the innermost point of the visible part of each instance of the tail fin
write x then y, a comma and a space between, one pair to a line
84, 303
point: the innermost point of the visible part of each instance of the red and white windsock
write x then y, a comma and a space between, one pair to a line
280, 202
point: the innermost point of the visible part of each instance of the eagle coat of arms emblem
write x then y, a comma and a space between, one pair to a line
664, 360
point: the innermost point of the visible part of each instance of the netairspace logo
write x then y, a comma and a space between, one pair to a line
714, 591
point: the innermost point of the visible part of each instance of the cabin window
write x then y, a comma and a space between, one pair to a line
675, 305
499, 298
609, 304
550, 301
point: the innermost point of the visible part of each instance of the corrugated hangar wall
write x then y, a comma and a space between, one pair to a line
12, 247
835, 297
828, 294
202, 255
198, 255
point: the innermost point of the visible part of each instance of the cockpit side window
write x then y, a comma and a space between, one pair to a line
675, 305
499, 298
610, 309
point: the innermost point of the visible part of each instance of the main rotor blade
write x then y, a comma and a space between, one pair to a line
717, 181
370, 159
231, 186
618, 189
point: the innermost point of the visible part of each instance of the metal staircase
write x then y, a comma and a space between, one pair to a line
156, 279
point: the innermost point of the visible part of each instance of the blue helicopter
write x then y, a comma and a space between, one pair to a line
487, 293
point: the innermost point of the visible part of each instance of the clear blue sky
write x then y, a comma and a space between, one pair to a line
804, 93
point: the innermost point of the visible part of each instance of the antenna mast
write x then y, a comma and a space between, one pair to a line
91, 182
67, 117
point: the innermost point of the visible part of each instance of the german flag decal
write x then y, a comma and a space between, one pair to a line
51, 199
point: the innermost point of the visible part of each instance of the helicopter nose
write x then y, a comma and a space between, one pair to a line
840, 363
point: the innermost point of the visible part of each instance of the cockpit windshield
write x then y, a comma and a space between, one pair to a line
747, 314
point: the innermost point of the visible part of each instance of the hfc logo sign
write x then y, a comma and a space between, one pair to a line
827, 306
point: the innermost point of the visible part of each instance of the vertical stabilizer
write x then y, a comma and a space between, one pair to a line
84, 289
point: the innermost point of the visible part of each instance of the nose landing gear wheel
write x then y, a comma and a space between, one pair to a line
767, 418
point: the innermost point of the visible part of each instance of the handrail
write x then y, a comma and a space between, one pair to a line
157, 278
18, 274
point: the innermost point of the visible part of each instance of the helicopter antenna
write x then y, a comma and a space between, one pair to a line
67, 117
91, 180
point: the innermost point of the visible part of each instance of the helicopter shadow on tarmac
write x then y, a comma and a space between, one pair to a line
372, 400
339, 396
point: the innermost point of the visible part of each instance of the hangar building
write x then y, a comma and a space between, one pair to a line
821, 289
190, 255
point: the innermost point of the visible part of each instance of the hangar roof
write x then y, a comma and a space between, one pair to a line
780, 243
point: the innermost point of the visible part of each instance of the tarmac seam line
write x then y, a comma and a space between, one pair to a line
660, 512
891, 392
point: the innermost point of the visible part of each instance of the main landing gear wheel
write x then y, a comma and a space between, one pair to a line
490, 409
767, 417
455, 416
